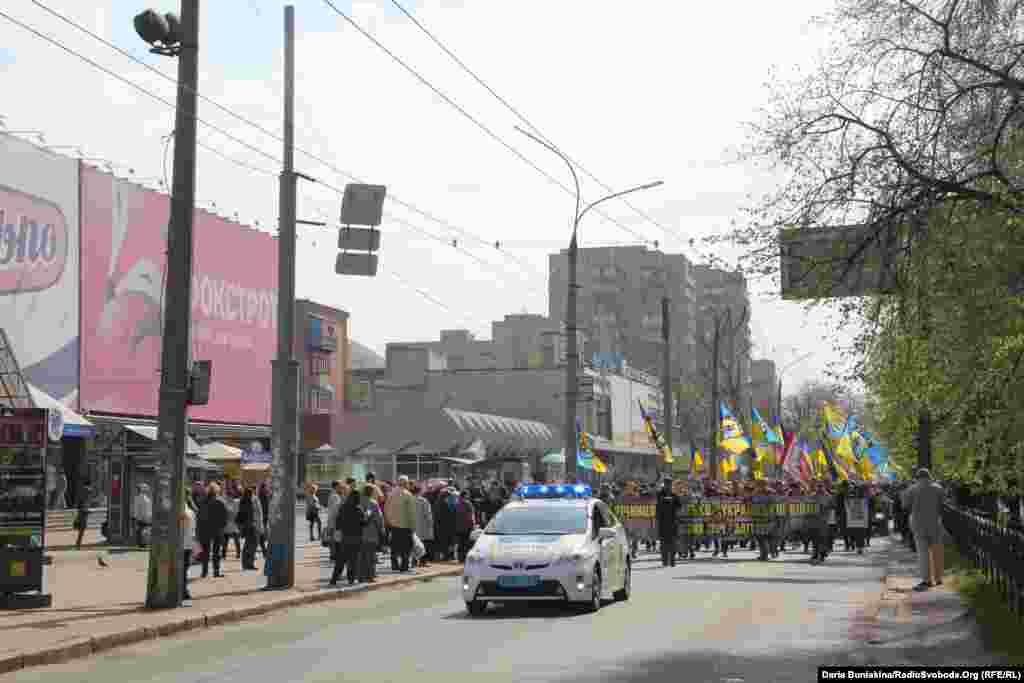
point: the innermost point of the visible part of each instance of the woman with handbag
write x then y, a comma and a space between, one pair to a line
351, 520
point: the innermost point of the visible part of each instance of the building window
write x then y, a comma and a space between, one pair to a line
320, 365
320, 401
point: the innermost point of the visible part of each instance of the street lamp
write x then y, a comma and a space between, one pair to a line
783, 370
572, 354
171, 37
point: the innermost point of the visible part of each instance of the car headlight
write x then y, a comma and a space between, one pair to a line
879, 515
574, 558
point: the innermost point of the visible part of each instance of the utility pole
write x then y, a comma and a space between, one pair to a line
666, 376
166, 573
281, 574
716, 348
571, 363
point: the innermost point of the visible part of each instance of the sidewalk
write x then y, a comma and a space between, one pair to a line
96, 608
930, 628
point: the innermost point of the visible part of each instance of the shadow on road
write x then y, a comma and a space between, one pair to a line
543, 610
751, 579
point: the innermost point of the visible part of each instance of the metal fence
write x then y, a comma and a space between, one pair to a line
994, 549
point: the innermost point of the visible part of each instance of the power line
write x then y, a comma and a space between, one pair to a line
463, 317
131, 83
494, 136
521, 117
327, 164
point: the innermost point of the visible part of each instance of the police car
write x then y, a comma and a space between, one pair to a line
551, 542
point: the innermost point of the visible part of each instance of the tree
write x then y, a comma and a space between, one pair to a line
911, 126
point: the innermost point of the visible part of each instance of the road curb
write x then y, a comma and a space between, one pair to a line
84, 647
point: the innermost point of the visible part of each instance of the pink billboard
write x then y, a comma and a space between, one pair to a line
234, 304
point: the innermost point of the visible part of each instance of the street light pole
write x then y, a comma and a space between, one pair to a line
165, 580
285, 389
572, 353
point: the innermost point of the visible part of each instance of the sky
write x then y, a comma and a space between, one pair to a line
649, 91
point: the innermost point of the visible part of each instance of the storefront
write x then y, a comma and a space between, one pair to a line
127, 453
424, 443
68, 466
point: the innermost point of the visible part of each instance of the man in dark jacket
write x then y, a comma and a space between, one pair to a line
213, 517
667, 513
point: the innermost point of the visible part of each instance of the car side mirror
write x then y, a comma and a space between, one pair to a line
606, 534
475, 534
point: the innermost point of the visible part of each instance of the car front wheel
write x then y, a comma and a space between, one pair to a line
623, 595
476, 608
594, 604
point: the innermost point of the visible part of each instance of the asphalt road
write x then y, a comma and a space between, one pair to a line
704, 620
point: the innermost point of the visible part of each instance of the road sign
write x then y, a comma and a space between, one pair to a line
356, 263
358, 239
363, 204
837, 262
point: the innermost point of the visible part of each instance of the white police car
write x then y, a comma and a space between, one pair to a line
552, 543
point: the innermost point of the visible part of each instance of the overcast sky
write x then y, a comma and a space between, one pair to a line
652, 90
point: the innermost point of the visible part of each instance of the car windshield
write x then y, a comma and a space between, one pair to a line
546, 520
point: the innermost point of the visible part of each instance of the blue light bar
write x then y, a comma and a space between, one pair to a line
557, 491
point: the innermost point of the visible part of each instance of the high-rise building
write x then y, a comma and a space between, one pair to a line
764, 387
721, 291
619, 305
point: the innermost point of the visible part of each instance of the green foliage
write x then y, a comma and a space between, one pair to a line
1000, 628
952, 342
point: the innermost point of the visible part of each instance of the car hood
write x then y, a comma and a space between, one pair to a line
528, 547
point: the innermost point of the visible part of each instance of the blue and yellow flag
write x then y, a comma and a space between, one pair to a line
696, 460
732, 439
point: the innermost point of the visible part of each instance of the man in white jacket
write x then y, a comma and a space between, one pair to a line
424, 525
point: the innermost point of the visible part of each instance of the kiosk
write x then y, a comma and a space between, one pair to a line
24, 433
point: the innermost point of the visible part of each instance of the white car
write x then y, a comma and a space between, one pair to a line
551, 543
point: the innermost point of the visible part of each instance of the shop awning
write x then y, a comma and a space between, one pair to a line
458, 461
149, 432
216, 451
194, 463
430, 430
74, 424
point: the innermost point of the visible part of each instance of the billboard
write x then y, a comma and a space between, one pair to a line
838, 262
234, 304
39, 265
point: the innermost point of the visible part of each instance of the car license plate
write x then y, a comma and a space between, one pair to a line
518, 581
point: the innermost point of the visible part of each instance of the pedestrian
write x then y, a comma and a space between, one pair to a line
400, 516
445, 512
264, 498
371, 534
333, 505
424, 525
213, 517
82, 516
667, 514
231, 502
465, 523
188, 537
351, 520
924, 501
313, 513
142, 513
250, 522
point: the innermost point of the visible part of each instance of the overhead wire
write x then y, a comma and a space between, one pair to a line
448, 100
529, 124
402, 223
522, 263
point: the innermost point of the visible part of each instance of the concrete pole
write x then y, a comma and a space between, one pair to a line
666, 376
571, 362
165, 578
286, 368
715, 400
